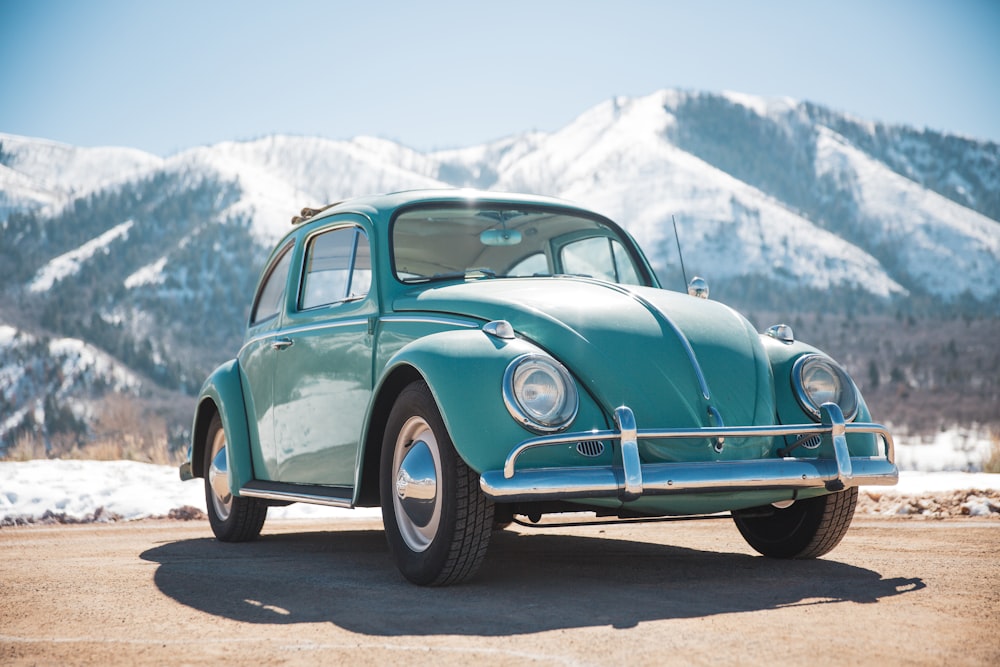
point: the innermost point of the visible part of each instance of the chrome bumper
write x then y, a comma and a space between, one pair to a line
629, 479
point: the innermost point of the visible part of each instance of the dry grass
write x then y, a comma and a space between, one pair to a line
124, 431
26, 448
130, 448
992, 462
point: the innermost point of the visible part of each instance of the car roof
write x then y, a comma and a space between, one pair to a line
380, 205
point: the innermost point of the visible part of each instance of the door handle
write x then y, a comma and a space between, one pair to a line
282, 343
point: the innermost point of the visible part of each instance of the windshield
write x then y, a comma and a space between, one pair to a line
492, 241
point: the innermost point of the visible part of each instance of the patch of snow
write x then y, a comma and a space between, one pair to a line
957, 449
69, 263
151, 274
13, 419
7, 335
79, 358
762, 106
135, 490
980, 506
915, 483
129, 489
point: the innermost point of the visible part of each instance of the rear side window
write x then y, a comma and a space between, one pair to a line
268, 301
338, 268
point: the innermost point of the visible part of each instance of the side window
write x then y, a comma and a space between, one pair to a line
361, 276
268, 301
338, 268
589, 257
627, 274
600, 257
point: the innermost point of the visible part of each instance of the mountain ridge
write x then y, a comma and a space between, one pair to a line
780, 204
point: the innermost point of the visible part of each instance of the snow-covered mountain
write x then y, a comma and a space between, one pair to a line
153, 259
52, 380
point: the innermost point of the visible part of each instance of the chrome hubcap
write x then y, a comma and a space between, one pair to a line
416, 469
218, 478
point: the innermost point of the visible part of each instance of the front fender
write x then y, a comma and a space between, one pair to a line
464, 371
222, 394
782, 357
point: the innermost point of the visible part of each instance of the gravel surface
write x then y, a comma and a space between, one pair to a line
164, 592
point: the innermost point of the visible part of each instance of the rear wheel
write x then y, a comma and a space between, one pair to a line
806, 529
233, 519
437, 520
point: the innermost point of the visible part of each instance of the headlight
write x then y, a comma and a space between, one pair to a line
818, 380
539, 393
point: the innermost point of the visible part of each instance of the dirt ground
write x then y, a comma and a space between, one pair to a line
895, 592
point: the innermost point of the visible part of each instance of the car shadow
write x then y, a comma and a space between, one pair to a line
529, 583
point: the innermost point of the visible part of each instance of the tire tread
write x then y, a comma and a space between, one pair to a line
473, 528
808, 529
247, 515
837, 515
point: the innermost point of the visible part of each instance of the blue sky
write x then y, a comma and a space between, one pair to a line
168, 75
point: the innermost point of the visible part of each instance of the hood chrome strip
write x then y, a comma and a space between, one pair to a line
692, 358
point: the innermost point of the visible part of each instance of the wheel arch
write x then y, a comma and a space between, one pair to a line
206, 410
464, 370
222, 394
400, 376
445, 361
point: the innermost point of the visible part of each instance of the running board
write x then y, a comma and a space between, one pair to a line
333, 496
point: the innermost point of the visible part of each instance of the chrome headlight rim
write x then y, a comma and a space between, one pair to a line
848, 398
524, 415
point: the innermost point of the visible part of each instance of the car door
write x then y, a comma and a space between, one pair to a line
323, 371
257, 360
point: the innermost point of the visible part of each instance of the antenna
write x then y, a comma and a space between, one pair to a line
679, 253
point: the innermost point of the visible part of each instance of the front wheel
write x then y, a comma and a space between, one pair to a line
233, 519
437, 520
806, 529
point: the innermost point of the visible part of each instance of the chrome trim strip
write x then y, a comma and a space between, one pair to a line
429, 319
700, 374
339, 324
631, 479
305, 328
685, 343
288, 496
670, 478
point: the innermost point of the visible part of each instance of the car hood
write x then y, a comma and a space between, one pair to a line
668, 356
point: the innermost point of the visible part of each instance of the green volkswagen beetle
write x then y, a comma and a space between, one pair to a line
463, 358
